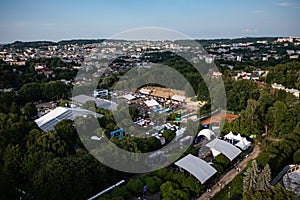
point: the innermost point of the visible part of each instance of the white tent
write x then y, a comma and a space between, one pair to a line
243, 144
227, 149
238, 137
229, 136
197, 167
151, 103
129, 97
209, 134
49, 120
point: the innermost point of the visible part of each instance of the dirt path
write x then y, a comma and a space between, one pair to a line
227, 178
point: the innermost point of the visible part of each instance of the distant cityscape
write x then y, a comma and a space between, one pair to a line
241, 49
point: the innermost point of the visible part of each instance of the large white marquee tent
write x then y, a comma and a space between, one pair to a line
220, 146
197, 167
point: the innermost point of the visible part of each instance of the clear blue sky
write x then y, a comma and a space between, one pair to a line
29, 20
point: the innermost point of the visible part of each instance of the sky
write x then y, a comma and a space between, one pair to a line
54, 20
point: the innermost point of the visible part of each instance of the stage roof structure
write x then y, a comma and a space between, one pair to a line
197, 167
49, 120
227, 149
100, 103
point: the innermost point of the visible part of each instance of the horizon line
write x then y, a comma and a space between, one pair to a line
111, 39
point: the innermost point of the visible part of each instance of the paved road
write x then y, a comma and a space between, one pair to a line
227, 178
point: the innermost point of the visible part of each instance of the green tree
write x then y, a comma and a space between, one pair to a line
151, 144
188, 182
239, 92
249, 118
296, 157
170, 190
275, 192
277, 116
69, 178
15, 109
30, 92
257, 180
66, 130
135, 187
164, 174
233, 126
34, 159
54, 90
134, 112
13, 158
264, 179
251, 176
153, 183
89, 105
64, 103
29, 110
50, 141
265, 101
169, 135
120, 193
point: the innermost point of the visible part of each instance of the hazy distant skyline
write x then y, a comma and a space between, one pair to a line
55, 20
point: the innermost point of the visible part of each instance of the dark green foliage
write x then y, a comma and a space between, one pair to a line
89, 105
30, 92
54, 90
134, 113
29, 110
173, 116
192, 75
279, 154
221, 163
264, 179
13, 130
6, 102
135, 186
67, 132
232, 191
239, 92
286, 74
152, 183
188, 182
68, 178
169, 135
233, 126
296, 157
120, 193
35, 44
170, 190
13, 158
191, 150
164, 174
274, 193
249, 119
80, 42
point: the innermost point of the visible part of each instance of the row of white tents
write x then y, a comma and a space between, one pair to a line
203, 170
241, 142
237, 140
